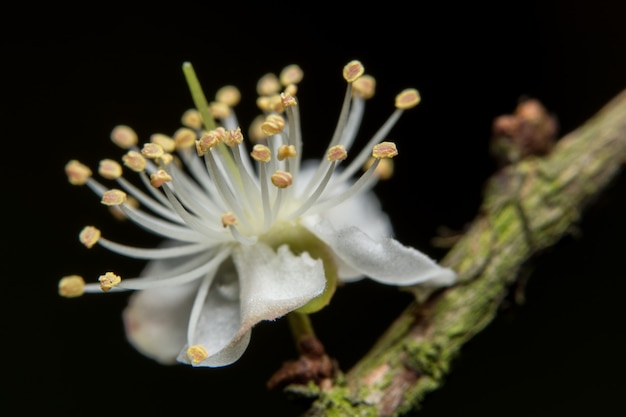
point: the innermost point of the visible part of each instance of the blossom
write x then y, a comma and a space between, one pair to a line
249, 233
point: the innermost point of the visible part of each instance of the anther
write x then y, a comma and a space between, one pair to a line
109, 280
191, 118
364, 86
291, 89
185, 138
113, 197
273, 125
208, 141
168, 144
261, 153
152, 150
89, 236
77, 173
124, 136
229, 219
71, 286
233, 137
197, 353
159, 178
286, 151
384, 150
110, 169
228, 95
353, 70
337, 153
281, 179
408, 98
384, 169
288, 100
220, 110
134, 160
268, 85
291, 74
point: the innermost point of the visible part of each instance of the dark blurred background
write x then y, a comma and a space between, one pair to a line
71, 75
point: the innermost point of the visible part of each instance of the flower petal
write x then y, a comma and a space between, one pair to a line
385, 260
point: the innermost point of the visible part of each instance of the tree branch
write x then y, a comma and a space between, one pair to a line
527, 207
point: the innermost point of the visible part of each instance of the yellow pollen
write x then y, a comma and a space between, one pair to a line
185, 138
113, 197
71, 286
268, 85
337, 153
273, 124
197, 353
286, 151
89, 236
134, 160
291, 74
191, 118
159, 177
110, 169
229, 95
165, 141
109, 280
77, 173
281, 179
408, 99
261, 153
255, 133
384, 170
124, 136
364, 86
152, 150
288, 100
233, 137
384, 150
229, 219
353, 70
206, 142
219, 110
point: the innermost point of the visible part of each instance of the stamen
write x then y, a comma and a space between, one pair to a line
110, 169
291, 74
268, 85
408, 99
228, 95
384, 170
113, 197
197, 353
72, 286
154, 253
385, 150
286, 151
184, 138
229, 219
220, 110
159, 178
135, 161
353, 70
124, 136
109, 280
152, 150
281, 179
273, 125
168, 144
77, 173
191, 118
262, 155
89, 236
337, 153
364, 86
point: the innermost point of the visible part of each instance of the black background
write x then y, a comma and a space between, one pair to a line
71, 75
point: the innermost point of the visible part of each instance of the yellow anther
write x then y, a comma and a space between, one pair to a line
288, 100
273, 124
281, 179
71, 286
337, 153
229, 95
384, 170
134, 160
229, 219
197, 353
124, 136
159, 178
353, 70
192, 119
113, 197
255, 133
89, 236
384, 150
233, 137
77, 173
408, 98
166, 159
286, 151
184, 138
261, 153
110, 169
118, 214
109, 280
152, 150
291, 89
364, 86
291, 74
208, 141
270, 103
219, 110
268, 85
168, 144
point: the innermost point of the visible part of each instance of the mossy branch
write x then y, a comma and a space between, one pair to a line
527, 207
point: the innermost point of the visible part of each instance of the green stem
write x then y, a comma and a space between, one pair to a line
300, 325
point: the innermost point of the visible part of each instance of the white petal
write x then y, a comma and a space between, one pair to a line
385, 260
273, 283
156, 320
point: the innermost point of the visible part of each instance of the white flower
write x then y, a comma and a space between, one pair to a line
246, 239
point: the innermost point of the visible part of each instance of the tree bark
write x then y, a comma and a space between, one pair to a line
528, 206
